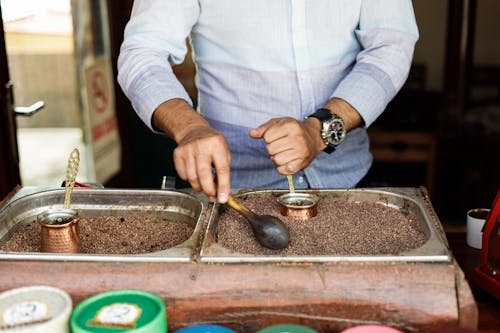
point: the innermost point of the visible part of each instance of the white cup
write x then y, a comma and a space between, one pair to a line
475, 222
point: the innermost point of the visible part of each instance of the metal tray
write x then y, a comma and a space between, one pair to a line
162, 204
406, 200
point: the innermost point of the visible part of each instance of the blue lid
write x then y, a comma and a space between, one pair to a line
205, 329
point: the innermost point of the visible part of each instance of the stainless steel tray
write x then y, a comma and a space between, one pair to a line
163, 204
406, 200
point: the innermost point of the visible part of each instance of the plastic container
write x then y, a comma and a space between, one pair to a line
120, 311
35, 309
287, 328
205, 329
371, 329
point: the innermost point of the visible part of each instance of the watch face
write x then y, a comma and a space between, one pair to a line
335, 131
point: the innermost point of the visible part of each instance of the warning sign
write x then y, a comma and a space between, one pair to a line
100, 93
102, 126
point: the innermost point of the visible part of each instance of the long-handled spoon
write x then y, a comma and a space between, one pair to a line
290, 183
268, 230
71, 171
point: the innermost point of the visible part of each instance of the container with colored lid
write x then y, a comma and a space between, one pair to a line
287, 328
205, 329
122, 310
35, 309
371, 329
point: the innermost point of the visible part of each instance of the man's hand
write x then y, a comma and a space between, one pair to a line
200, 148
291, 144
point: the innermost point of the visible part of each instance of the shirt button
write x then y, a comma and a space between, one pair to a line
301, 179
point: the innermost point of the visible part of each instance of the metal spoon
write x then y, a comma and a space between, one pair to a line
290, 183
71, 171
268, 230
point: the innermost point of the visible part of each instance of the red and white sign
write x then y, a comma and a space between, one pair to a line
100, 92
102, 125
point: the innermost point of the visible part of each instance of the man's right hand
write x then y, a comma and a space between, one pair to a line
200, 148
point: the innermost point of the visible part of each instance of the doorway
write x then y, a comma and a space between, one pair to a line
60, 83
40, 51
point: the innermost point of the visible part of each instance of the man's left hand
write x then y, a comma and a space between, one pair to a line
291, 144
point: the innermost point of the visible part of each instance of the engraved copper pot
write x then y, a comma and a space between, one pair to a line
299, 206
60, 232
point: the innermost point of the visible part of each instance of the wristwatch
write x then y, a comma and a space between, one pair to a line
333, 129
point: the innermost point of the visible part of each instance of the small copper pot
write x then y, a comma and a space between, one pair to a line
60, 231
299, 206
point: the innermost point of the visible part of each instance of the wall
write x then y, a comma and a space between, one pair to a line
487, 35
430, 49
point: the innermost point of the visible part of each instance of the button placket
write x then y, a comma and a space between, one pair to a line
301, 54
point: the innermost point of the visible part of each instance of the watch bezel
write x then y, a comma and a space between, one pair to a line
327, 133
330, 135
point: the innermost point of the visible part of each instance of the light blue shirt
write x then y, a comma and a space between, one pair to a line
261, 59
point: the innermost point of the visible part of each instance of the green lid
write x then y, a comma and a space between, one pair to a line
287, 328
120, 311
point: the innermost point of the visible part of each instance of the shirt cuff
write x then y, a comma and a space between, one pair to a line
368, 89
162, 86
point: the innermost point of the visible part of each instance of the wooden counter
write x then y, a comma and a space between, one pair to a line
326, 296
415, 297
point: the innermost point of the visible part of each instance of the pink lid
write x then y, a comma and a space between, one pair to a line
371, 329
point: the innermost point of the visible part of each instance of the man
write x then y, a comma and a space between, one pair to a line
280, 83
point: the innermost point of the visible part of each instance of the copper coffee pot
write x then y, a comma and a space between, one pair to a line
299, 206
60, 232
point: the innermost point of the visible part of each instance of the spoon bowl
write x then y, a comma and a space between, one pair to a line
268, 230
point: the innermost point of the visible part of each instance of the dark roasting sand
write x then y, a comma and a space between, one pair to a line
340, 228
110, 235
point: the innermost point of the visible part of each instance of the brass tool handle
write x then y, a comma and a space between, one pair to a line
290, 183
239, 206
71, 171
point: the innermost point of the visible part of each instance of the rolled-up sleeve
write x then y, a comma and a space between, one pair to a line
155, 40
387, 33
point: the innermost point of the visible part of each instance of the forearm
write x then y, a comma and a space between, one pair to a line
176, 118
344, 110
200, 148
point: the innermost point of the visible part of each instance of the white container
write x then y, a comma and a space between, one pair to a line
475, 222
35, 309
